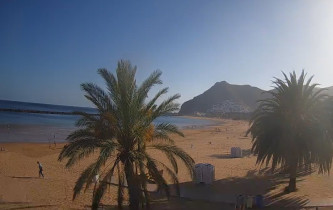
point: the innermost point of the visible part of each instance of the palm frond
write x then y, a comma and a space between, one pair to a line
102, 186
146, 86
171, 174
106, 152
167, 128
166, 107
96, 95
112, 85
156, 176
78, 149
152, 102
86, 119
85, 175
172, 150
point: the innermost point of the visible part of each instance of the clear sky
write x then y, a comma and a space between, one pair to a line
47, 48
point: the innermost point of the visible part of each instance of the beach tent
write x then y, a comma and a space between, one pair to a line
204, 173
208, 174
236, 152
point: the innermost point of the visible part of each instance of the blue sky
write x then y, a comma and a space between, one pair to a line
47, 48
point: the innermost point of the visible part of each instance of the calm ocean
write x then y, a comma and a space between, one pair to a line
31, 127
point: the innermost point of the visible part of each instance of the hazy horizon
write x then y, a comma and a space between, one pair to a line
48, 48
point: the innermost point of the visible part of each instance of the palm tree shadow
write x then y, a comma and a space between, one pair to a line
223, 192
174, 203
245, 153
23, 205
282, 199
24, 177
301, 172
33, 207
283, 172
221, 156
255, 183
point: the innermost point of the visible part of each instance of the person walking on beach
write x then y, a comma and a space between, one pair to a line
55, 144
40, 169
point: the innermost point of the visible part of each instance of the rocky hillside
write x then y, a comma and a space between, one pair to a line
224, 98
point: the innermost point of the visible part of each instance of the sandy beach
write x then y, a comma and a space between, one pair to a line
19, 182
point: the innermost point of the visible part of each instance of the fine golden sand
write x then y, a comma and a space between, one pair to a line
19, 182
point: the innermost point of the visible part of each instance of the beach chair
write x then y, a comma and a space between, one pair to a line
249, 201
259, 201
240, 202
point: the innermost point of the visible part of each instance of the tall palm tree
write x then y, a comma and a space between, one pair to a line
293, 127
123, 131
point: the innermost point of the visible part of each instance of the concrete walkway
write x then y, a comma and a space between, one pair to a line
211, 193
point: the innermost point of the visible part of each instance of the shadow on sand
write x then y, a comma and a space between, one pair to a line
24, 177
222, 194
245, 153
176, 203
22, 205
261, 182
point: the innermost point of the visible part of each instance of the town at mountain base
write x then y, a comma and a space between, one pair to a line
228, 101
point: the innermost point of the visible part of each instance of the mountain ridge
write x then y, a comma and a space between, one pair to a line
224, 97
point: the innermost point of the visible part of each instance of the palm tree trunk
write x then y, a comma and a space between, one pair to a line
133, 189
144, 186
292, 177
147, 197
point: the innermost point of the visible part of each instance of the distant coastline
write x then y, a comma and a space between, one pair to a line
38, 111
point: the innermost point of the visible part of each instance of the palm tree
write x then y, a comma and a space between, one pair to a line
293, 127
123, 131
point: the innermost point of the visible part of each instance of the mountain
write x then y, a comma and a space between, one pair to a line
224, 97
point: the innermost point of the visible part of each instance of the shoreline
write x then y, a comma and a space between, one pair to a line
215, 119
47, 134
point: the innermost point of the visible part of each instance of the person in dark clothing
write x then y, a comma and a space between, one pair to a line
40, 169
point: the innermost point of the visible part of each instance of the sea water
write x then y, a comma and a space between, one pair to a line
34, 127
